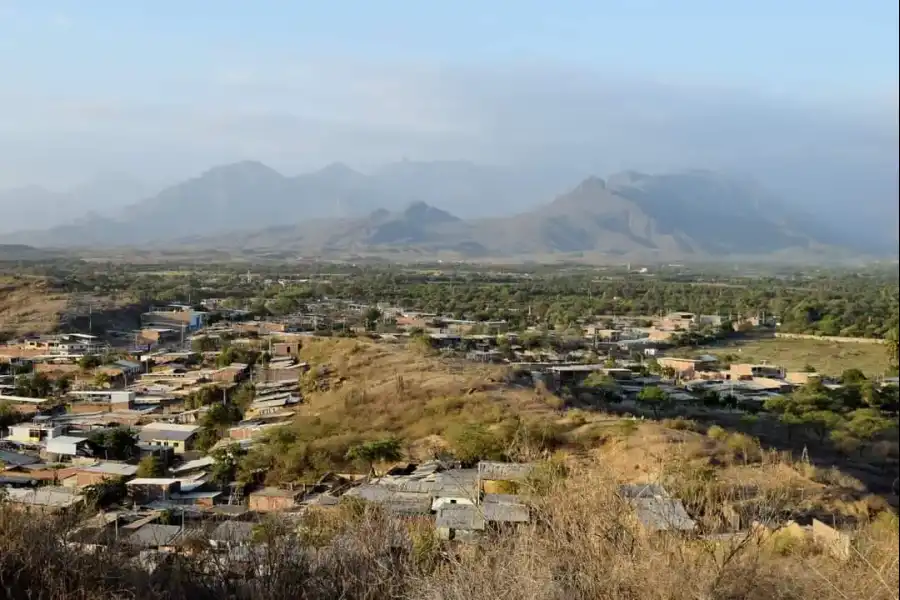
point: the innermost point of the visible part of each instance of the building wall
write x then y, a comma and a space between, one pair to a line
683, 367
176, 446
263, 503
85, 478
286, 348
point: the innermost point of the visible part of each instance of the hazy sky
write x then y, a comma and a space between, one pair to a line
788, 90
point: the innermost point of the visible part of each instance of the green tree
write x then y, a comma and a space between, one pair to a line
227, 459
371, 452
151, 466
654, 398
892, 347
473, 442
371, 318
8, 414
102, 380
119, 443
89, 361
851, 376
868, 423
822, 422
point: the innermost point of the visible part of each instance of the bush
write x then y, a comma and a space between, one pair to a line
681, 424
717, 433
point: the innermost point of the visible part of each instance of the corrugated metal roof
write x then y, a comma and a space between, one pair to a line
504, 471
111, 468
662, 514
460, 516
152, 536
501, 512
643, 490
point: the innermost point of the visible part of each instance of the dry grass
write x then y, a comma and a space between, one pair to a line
794, 354
582, 543
29, 305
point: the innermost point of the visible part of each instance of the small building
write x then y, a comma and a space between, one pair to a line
104, 471
455, 521
504, 508
291, 348
749, 371
232, 533
67, 445
153, 535
44, 499
497, 476
145, 490
36, 432
179, 437
272, 499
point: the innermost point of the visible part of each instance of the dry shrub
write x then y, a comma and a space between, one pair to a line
582, 543
681, 424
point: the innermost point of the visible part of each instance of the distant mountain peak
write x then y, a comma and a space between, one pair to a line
244, 167
593, 183
425, 213
337, 169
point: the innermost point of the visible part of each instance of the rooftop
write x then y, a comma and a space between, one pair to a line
112, 468
153, 481
152, 536
55, 497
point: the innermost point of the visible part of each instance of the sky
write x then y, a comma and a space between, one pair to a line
802, 94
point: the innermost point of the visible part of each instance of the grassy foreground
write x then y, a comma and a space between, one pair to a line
582, 544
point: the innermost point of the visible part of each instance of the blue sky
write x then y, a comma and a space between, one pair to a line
801, 47
162, 89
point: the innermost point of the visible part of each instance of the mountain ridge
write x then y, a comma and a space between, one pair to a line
337, 209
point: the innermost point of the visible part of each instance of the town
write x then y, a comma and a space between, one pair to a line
206, 426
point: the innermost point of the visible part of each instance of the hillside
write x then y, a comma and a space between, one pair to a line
338, 212
582, 540
29, 306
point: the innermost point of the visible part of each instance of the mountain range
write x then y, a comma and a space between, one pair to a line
461, 209
34, 207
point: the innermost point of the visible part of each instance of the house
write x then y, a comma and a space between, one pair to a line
291, 348
145, 490
749, 371
104, 471
272, 499
687, 368
179, 318
233, 373
153, 535
504, 508
67, 344
193, 466
11, 460
177, 436
100, 400
67, 445
34, 433
44, 499
232, 533
497, 476
801, 377
454, 521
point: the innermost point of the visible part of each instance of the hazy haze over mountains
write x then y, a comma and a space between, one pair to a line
800, 99
414, 206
